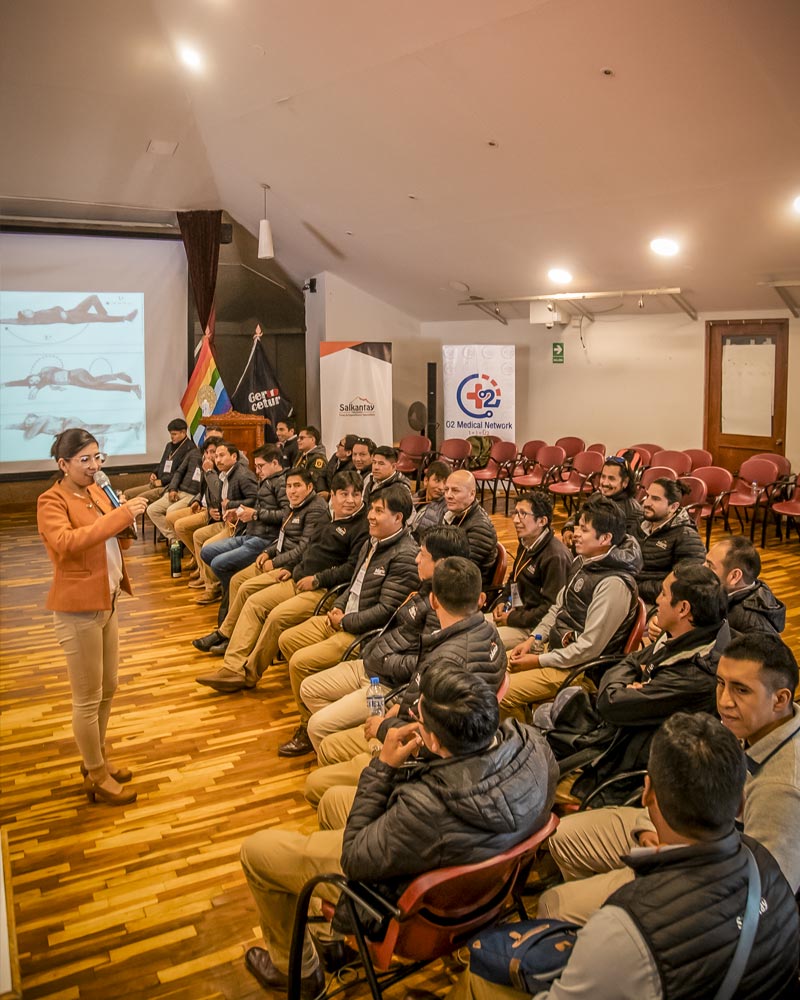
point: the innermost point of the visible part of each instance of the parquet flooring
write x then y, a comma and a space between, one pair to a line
149, 901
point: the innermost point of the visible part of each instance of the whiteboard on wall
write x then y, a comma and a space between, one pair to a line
748, 388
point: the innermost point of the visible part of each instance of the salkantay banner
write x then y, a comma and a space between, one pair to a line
355, 391
478, 382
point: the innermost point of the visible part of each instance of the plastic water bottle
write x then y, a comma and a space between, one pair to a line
538, 644
175, 557
376, 703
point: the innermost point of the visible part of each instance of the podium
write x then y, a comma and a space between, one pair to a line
245, 430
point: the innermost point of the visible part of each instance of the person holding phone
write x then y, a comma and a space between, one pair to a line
79, 527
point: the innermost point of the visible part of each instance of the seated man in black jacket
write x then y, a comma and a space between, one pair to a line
540, 570
617, 482
675, 674
461, 508
384, 576
485, 790
751, 604
337, 697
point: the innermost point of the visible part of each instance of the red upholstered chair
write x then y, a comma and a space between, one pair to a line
677, 460
499, 470
571, 446
495, 587
549, 461
784, 508
581, 479
694, 500
699, 456
651, 449
436, 914
781, 461
455, 450
653, 472
753, 488
413, 450
719, 483
527, 456
599, 448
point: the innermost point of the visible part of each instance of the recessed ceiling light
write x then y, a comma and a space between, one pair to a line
796, 204
559, 275
190, 57
664, 246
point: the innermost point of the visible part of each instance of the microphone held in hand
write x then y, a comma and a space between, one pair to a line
102, 480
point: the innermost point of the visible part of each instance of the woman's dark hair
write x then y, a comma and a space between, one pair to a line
68, 443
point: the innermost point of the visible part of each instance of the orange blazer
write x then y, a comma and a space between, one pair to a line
75, 539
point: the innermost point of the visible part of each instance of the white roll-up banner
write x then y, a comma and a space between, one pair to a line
355, 391
478, 382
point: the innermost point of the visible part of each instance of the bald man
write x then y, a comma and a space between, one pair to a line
460, 508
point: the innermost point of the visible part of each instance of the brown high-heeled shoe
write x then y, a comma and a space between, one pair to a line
96, 793
122, 776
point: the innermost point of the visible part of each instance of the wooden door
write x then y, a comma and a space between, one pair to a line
746, 385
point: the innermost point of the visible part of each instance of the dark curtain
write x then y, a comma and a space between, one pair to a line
200, 232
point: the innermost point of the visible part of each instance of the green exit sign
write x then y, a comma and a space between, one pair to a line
558, 354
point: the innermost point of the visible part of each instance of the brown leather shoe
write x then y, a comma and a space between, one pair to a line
209, 597
225, 681
298, 746
259, 963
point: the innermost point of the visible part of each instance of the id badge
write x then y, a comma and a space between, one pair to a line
280, 541
196, 475
516, 600
168, 466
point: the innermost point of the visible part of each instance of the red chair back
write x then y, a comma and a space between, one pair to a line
413, 449
698, 491
677, 460
530, 450
761, 471
443, 909
599, 448
636, 633
656, 472
717, 479
781, 461
501, 454
700, 457
550, 455
500, 566
651, 449
571, 445
455, 450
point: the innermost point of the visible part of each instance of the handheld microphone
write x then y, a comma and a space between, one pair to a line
102, 480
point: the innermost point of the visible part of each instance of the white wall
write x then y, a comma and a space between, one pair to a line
633, 378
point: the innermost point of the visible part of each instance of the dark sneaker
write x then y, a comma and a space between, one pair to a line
259, 963
207, 642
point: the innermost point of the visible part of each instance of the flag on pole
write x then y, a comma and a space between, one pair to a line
258, 390
205, 394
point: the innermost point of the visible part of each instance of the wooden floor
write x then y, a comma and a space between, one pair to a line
149, 901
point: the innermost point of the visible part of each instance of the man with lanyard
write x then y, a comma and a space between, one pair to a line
540, 570
179, 445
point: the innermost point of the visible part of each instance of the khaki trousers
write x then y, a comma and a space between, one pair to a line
159, 509
469, 987
337, 699
309, 648
149, 492
338, 748
530, 688
185, 525
90, 641
331, 790
587, 848
200, 537
277, 863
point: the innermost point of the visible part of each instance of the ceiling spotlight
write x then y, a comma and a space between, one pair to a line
664, 247
796, 204
266, 250
559, 276
190, 57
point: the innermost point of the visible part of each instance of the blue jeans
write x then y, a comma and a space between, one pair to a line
230, 555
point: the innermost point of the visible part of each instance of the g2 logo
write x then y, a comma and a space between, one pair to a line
479, 396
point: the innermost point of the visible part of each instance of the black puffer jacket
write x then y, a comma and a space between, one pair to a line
332, 549
390, 578
316, 461
297, 526
663, 548
185, 478
539, 575
394, 654
372, 488
271, 506
756, 609
453, 811
480, 532
630, 507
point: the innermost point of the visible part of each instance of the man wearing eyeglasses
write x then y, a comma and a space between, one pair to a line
342, 458
539, 572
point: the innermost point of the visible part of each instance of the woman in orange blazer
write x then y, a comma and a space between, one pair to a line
79, 525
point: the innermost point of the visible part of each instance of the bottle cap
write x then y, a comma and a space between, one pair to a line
374, 680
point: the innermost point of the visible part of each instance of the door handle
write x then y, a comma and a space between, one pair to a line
779, 442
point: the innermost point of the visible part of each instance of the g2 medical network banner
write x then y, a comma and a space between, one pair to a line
479, 390
355, 391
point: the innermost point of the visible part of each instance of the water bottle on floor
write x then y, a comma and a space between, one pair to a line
175, 558
376, 703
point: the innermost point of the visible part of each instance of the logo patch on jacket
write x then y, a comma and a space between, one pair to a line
341, 531
412, 611
579, 585
493, 650
379, 571
662, 544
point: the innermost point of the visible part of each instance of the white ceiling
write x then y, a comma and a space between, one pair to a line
347, 107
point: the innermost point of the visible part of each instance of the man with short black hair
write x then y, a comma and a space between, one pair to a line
384, 576
174, 452
311, 455
482, 791
617, 483
427, 509
183, 487
342, 458
286, 433
673, 928
363, 450
540, 570
751, 604
592, 615
462, 508
383, 473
